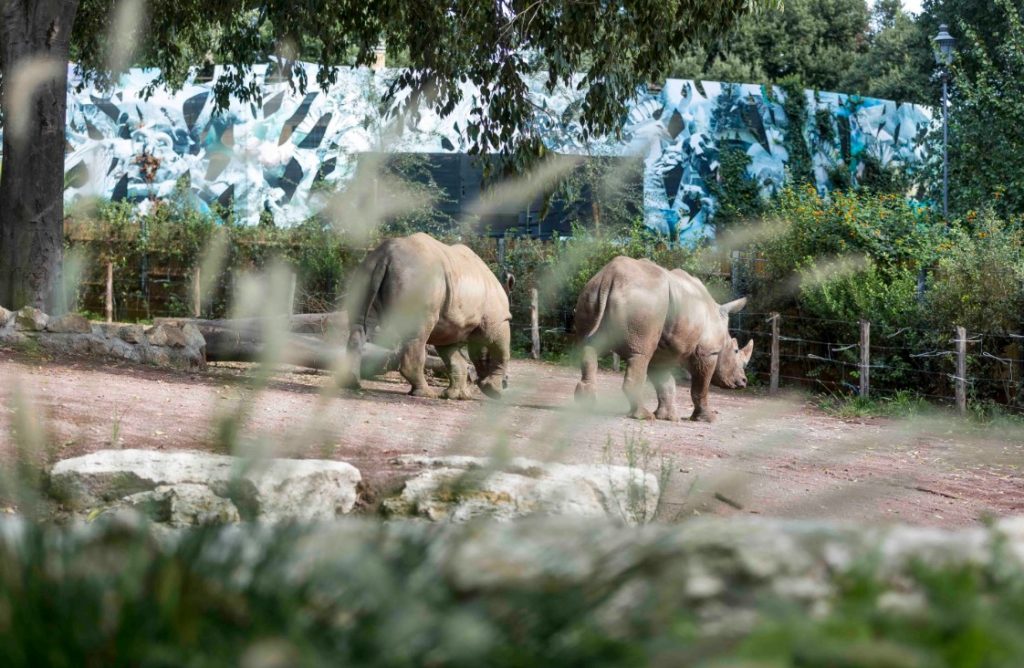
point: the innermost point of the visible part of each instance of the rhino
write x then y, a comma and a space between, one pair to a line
416, 291
657, 320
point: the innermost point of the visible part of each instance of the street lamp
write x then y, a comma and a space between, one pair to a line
944, 43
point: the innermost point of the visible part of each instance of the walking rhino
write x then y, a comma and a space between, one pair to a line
419, 291
657, 320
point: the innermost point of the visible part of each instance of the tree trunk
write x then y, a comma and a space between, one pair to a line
32, 176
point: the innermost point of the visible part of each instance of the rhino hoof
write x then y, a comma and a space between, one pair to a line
490, 390
423, 392
666, 415
349, 382
702, 417
585, 394
455, 394
641, 414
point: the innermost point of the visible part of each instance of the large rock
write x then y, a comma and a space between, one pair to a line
461, 488
31, 319
5, 317
166, 335
69, 323
184, 505
131, 333
275, 489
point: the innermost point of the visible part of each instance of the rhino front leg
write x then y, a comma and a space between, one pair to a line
701, 371
665, 386
633, 385
585, 390
457, 372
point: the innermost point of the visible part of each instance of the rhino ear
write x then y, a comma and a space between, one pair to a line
510, 281
747, 351
733, 306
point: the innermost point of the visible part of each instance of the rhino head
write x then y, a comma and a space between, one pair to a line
730, 370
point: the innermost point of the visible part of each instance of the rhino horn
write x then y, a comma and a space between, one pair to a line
733, 306
747, 351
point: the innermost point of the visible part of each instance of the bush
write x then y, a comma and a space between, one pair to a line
979, 278
827, 262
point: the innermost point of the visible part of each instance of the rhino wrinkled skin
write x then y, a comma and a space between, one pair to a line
419, 291
658, 320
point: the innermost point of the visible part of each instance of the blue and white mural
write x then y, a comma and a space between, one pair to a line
268, 157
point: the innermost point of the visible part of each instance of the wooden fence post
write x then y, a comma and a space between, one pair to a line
773, 386
501, 252
110, 291
197, 293
616, 362
961, 370
865, 358
534, 324
293, 280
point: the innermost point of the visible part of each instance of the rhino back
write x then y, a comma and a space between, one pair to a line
637, 300
392, 272
476, 293
625, 296
695, 319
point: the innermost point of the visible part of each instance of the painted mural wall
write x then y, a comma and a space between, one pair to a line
281, 155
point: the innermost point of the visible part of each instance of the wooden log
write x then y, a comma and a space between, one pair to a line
241, 340
320, 324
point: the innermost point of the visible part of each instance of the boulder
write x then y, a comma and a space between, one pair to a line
131, 333
69, 323
461, 488
166, 335
5, 317
193, 337
274, 489
184, 505
31, 319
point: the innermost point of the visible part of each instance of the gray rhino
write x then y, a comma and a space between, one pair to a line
658, 320
418, 291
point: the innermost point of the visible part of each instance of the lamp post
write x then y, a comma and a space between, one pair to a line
944, 43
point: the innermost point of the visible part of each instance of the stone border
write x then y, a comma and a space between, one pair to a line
164, 345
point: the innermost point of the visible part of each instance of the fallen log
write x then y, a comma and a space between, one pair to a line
316, 341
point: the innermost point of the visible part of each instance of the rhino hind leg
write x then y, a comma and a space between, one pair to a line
585, 390
349, 375
665, 386
413, 357
633, 385
457, 372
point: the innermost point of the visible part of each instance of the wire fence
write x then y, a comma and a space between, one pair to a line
945, 366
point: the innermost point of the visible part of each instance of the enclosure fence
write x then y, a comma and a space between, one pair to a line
951, 366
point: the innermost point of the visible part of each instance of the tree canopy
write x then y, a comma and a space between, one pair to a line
608, 48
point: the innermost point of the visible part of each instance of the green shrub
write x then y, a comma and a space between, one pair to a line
978, 281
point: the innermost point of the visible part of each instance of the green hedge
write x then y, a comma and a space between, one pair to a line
371, 595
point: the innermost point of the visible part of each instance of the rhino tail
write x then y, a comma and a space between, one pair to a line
602, 303
372, 293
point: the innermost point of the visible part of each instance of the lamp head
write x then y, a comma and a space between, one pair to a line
944, 44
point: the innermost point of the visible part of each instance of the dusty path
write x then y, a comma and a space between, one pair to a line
764, 455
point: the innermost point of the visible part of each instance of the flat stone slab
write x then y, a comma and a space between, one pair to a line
461, 488
168, 482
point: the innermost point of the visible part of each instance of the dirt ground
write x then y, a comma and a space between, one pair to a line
765, 455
